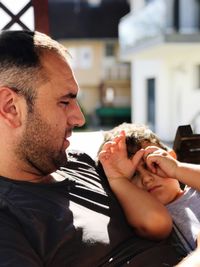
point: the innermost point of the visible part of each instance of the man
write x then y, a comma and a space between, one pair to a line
75, 221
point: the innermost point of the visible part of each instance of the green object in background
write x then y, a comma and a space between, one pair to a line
113, 115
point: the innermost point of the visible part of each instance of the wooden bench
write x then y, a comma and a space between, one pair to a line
187, 145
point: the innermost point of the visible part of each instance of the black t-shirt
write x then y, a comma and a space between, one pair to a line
76, 222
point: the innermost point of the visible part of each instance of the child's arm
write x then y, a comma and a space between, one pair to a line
160, 161
115, 161
149, 217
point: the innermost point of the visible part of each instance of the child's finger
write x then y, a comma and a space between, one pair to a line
153, 164
119, 137
104, 155
122, 143
107, 145
137, 158
149, 150
114, 148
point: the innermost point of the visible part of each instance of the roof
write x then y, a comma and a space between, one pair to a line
78, 19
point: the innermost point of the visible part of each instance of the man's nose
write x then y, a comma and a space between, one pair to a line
77, 119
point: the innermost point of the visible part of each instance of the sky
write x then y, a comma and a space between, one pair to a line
15, 7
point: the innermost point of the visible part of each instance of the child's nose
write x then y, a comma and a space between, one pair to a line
147, 177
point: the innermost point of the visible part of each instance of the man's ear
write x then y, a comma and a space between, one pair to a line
9, 110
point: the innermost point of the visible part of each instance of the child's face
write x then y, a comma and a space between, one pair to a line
164, 190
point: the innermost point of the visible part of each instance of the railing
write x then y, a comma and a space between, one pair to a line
159, 18
147, 23
120, 71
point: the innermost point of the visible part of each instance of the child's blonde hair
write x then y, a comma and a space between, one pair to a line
136, 136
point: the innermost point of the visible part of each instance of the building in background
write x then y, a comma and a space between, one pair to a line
89, 29
161, 39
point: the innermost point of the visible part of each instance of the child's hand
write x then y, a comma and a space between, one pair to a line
115, 161
160, 161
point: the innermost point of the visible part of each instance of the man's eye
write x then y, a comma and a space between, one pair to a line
66, 103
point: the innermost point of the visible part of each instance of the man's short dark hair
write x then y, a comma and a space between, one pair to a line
21, 55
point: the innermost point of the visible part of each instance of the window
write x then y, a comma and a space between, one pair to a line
110, 50
150, 84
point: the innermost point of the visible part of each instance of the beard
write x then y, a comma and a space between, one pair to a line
37, 146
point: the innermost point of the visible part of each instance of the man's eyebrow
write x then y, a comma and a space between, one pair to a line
70, 95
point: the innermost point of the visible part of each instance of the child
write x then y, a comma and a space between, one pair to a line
150, 168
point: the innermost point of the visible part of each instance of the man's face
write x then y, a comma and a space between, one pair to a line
55, 114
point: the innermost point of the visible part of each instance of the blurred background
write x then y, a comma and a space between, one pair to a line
135, 60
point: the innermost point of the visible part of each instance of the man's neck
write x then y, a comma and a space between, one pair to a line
16, 171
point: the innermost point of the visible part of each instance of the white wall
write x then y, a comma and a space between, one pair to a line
164, 118
164, 104
177, 95
184, 78
141, 71
174, 68
136, 5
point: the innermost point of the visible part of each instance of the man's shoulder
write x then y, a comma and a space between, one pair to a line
80, 168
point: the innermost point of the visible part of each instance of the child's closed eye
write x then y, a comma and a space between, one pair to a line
135, 176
